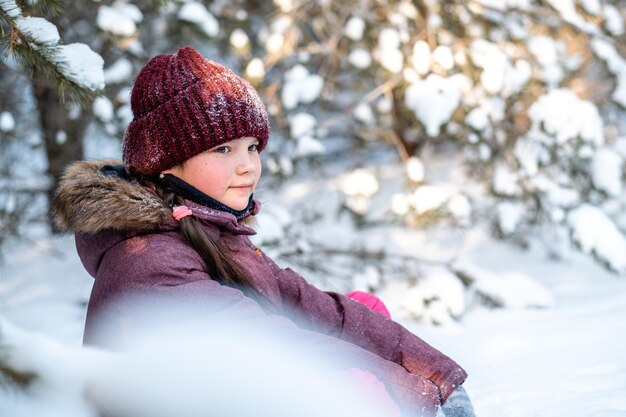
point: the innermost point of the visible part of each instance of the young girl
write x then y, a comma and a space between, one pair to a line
172, 222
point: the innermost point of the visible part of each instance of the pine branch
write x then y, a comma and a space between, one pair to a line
10, 376
47, 7
43, 58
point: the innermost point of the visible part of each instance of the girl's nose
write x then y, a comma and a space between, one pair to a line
245, 163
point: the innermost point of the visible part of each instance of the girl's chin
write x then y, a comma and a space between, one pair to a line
238, 205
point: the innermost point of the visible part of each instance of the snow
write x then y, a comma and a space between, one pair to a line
506, 4
556, 195
616, 65
569, 340
538, 337
103, 109
271, 224
477, 119
504, 180
60, 137
434, 20
596, 233
7, 122
10, 8
484, 151
58, 389
513, 289
438, 297
119, 72
358, 187
275, 42
301, 124
620, 146
461, 208
366, 280
300, 87
364, 114
137, 381
255, 69
308, 146
415, 169
384, 105
119, 20
360, 182
592, 7
388, 51
530, 154
421, 57
355, 27
567, 9
196, 13
285, 165
509, 216
125, 114
400, 204
77, 61
613, 20
82, 65
430, 197
606, 171
442, 56
239, 39
360, 58
546, 52
566, 117
498, 75
130, 11
39, 29
285, 6
434, 100
215, 380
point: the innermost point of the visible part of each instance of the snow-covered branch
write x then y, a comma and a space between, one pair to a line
35, 43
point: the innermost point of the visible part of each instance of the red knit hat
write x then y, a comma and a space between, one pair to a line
185, 104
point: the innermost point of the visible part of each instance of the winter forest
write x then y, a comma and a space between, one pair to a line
462, 160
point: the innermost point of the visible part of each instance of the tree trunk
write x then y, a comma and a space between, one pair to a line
400, 125
63, 135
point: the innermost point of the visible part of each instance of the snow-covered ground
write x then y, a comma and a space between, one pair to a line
562, 361
567, 360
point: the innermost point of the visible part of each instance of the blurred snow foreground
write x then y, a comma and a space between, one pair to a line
212, 367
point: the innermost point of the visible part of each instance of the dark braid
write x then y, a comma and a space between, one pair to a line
219, 266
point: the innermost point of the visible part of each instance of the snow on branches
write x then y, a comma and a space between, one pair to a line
35, 41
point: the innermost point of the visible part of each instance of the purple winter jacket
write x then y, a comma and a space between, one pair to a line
128, 241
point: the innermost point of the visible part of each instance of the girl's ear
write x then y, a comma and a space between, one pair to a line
176, 170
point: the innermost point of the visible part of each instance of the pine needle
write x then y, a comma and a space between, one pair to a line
41, 58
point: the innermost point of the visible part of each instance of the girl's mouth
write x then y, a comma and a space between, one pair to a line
242, 187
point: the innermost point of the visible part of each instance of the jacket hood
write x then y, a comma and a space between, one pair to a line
89, 201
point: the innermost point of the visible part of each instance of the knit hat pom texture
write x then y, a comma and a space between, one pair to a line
185, 104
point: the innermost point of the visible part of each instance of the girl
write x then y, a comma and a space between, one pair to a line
172, 223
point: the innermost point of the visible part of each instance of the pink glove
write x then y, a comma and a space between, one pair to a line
369, 300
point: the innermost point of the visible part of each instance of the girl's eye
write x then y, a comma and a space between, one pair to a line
253, 148
222, 149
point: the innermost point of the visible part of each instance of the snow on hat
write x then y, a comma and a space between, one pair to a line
185, 104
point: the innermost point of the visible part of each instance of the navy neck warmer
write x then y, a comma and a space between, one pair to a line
191, 193
183, 189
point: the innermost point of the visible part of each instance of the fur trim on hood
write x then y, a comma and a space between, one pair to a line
88, 201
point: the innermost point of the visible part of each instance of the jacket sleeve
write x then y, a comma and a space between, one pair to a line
337, 315
164, 275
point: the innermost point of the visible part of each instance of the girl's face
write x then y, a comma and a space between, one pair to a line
228, 173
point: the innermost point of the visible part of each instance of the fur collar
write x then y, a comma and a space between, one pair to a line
88, 201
